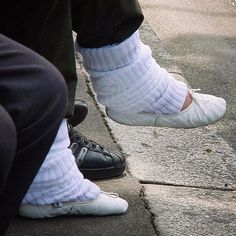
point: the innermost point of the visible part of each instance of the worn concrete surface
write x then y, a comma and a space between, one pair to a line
190, 211
205, 157
200, 36
195, 157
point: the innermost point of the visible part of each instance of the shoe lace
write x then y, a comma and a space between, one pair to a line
196, 100
77, 137
88, 142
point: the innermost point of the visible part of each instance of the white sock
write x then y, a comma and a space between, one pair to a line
127, 78
59, 179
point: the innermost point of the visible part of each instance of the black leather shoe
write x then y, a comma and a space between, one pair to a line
80, 113
94, 161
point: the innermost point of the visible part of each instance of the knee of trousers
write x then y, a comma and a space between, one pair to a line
48, 87
51, 92
47, 109
46, 100
32, 88
7, 145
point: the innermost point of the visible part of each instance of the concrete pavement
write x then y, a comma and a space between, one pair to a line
178, 182
200, 36
189, 176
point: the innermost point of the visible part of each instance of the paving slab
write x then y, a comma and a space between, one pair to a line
196, 157
189, 157
200, 36
182, 211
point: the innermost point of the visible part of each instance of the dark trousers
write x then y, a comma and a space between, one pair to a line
33, 98
104, 22
45, 27
7, 145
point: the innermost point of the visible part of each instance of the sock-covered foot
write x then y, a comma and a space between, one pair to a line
136, 91
126, 78
59, 179
203, 110
104, 204
60, 189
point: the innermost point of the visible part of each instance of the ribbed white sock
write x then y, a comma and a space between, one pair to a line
59, 179
126, 78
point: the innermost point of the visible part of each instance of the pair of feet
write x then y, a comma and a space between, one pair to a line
95, 162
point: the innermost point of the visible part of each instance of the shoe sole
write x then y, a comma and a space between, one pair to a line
105, 173
80, 113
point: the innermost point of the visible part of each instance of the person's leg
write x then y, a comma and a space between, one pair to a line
89, 20
129, 82
58, 179
7, 145
100, 23
60, 189
24, 78
35, 24
45, 27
